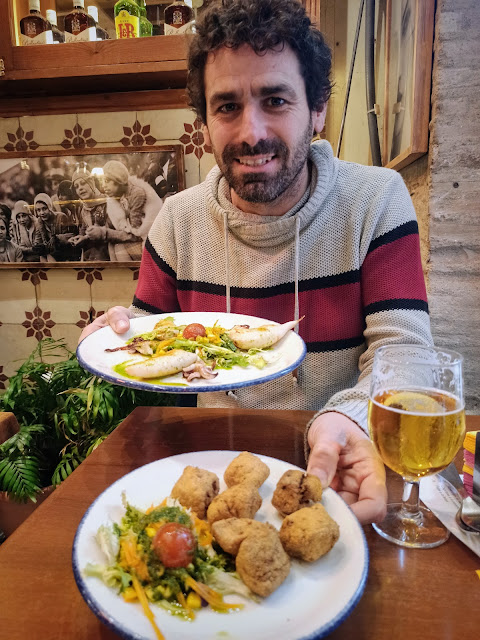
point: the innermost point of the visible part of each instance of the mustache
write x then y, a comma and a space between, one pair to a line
274, 146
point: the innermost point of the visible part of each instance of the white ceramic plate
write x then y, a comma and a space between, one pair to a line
286, 355
313, 600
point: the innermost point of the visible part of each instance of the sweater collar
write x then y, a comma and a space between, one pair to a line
271, 231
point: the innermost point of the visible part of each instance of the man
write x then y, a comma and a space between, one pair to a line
282, 229
92, 218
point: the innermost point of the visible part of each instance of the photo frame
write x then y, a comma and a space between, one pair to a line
409, 26
91, 208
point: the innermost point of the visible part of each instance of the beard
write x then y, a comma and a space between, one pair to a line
257, 187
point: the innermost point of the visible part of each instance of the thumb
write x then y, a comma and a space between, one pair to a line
323, 459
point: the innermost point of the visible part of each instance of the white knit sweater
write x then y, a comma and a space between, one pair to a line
354, 240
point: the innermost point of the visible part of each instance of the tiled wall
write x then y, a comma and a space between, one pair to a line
39, 302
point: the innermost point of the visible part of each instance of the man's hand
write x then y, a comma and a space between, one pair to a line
117, 317
343, 457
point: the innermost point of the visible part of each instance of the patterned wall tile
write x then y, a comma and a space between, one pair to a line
7, 125
165, 124
48, 130
68, 333
64, 295
16, 296
16, 348
116, 287
207, 161
107, 127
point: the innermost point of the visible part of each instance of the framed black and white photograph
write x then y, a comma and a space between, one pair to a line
86, 208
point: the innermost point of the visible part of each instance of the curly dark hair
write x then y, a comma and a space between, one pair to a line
264, 25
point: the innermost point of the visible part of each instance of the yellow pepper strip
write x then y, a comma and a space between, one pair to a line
214, 599
181, 599
129, 595
146, 609
159, 350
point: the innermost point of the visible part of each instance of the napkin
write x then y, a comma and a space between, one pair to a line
443, 499
469, 460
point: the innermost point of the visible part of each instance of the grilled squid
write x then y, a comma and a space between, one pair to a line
199, 370
163, 365
245, 337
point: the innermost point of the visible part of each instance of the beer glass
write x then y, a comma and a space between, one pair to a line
416, 420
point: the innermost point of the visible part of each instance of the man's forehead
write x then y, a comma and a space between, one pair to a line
228, 69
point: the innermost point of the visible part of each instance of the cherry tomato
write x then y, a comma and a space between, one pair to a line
174, 545
193, 330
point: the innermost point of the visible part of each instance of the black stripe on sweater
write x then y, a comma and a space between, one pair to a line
399, 303
406, 229
161, 264
311, 284
335, 345
144, 306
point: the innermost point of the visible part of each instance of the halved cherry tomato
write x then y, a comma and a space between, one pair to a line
174, 545
193, 330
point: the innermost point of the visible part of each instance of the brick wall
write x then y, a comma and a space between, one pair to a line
454, 185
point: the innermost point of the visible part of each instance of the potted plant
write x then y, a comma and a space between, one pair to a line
64, 413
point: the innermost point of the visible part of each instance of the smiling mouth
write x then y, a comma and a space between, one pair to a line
255, 162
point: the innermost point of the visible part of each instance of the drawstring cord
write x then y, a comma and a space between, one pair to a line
227, 262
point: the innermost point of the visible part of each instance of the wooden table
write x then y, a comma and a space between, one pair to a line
410, 594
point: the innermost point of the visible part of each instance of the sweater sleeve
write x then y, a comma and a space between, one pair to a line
157, 281
394, 297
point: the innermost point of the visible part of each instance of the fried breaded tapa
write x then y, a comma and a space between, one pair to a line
296, 489
239, 501
195, 489
309, 533
246, 467
231, 532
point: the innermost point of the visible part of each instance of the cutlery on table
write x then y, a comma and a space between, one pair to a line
468, 516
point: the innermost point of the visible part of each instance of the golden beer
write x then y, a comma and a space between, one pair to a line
417, 432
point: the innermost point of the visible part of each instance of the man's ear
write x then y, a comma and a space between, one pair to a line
318, 119
206, 135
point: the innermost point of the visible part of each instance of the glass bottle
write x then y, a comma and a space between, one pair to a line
146, 27
127, 19
178, 18
155, 16
79, 26
58, 36
102, 34
34, 28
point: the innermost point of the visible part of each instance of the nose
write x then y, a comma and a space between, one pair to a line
253, 125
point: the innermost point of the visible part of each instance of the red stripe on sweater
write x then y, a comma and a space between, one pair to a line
330, 314
394, 271
155, 287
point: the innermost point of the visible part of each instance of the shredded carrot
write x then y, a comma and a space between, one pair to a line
146, 609
214, 599
203, 532
162, 504
130, 559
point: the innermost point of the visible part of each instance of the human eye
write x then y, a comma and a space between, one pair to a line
276, 101
229, 107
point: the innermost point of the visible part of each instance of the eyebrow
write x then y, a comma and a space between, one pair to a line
264, 91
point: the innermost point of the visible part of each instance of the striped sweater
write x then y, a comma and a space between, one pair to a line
352, 241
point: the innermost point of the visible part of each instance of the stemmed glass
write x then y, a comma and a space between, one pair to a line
416, 420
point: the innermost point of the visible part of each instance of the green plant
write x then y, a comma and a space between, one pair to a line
64, 413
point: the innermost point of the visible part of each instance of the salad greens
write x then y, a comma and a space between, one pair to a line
133, 567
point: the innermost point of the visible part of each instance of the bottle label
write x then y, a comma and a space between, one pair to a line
171, 30
46, 37
126, 25
87, 35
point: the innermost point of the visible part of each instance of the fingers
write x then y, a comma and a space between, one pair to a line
323, 461
116, 317
119, 319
